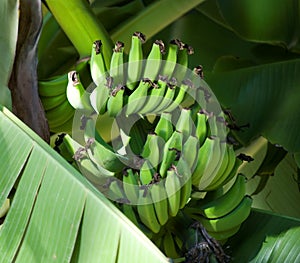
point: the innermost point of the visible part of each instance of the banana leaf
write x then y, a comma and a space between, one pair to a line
56, 214
265, 96
266, 237
268, 21
8, 35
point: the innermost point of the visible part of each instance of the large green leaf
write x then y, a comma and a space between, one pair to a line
268, 21
265, 96
8, 40
258, 234
56, 214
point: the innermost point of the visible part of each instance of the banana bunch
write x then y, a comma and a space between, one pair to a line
138, 84
158, 169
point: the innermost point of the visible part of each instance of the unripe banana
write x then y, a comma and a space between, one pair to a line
97, 64
206, 160
152, 150
146, 173
171, 152
76, 94
135, 57
173, 186
164, 127
146, 211
117, 64
160, 200
183, 171
185, 124
153, 61
131, 185
169, 246
116, 101
190, 150
169, 64
201, 127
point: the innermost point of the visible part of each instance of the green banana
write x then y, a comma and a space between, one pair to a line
234, 218
190, 150
169, 246
54, 86
97, 64
206, 161
50, 103
76, 93
171, 151
185, 124
153, 149
160, 201
131, 185
212, 167
169, 64
146, 211
146, 173
137, 99
153, 62
181, 69
201, 127
117, 64
164, 127
135, 57
116, 101
172, 186
183, 171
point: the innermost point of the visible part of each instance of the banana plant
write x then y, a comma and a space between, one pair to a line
54, 185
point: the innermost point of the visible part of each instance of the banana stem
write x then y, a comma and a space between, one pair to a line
81, 26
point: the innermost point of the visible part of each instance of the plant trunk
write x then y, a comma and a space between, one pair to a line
23, 82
